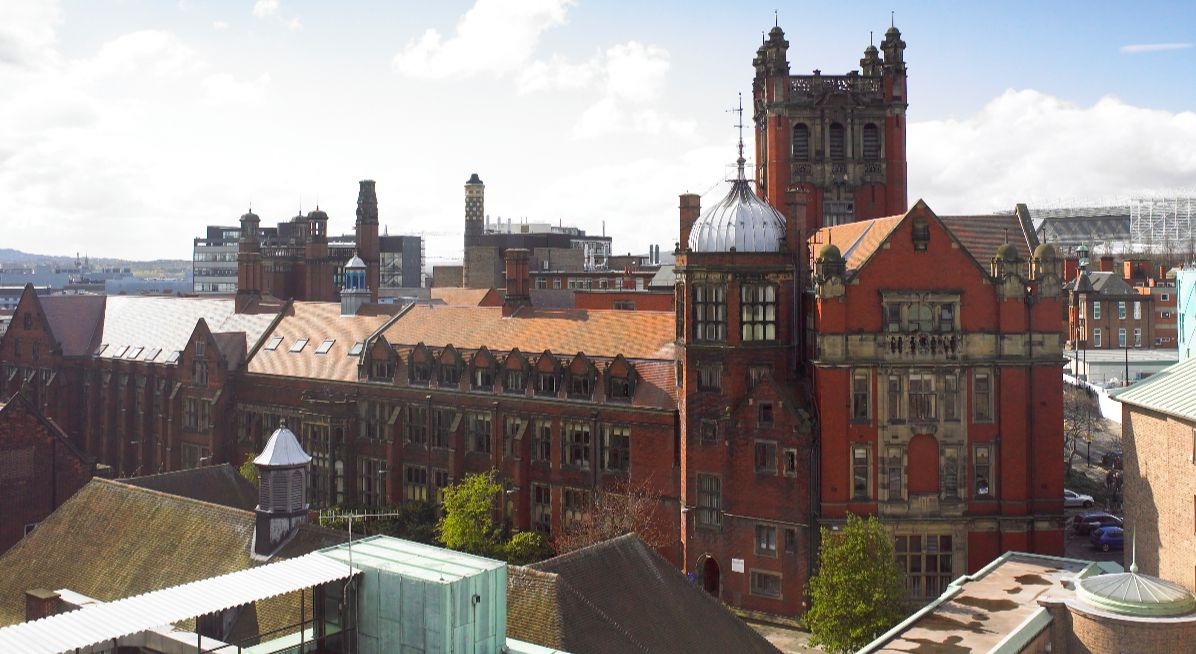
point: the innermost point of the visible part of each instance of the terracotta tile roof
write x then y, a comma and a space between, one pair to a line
317, 322
608, 598
219, 484
598, 333
75, 321
113, 540
982, 235
856, 241
166, 323
470, 297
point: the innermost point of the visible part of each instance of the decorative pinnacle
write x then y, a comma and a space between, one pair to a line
1134, 551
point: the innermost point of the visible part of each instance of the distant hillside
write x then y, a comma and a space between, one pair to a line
10, 257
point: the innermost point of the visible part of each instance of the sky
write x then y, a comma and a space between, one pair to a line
126, 126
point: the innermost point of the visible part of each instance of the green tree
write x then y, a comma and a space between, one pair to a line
857, 594
468, 521
248, 470
527, 547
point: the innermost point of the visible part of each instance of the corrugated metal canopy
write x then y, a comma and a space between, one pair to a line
1168, 391
101, 623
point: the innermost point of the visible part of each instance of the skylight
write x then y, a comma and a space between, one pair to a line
135, 352
273, 344
356, 349
174, 357
299, 345
325, 346
153, 354
120, 351
100, 349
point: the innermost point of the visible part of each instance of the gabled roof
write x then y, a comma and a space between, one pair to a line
980, 235
317, 322
620, 596
113, 540
598, 333
75, 321
163, 325
1107, 283
1170, 391
218, 484
857, 241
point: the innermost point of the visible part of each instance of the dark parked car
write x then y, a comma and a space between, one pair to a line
1085, 522
1111, 460
1108, 538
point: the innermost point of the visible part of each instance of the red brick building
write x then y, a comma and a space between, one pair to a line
39, 468
936, 355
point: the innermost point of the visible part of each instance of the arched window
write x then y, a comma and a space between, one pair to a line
837, 141
801, 142
871, 142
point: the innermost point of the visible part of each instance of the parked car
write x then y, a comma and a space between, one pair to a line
1112, 459
1108, 538
1085, 522
1072, 499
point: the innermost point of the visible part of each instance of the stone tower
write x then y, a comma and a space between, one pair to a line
475, 208
317, 283
282, 491
249, 262
834, 142
367, 234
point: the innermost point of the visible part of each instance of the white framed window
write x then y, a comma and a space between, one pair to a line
1121, 310
861, 472
766, 540
1095, 310
1137, 337
1137, 311
1121, 337
1096, 337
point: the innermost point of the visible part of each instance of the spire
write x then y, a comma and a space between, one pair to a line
739, 124
1134, 551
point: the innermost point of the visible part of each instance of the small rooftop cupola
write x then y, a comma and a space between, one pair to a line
355, 292
1007, 270
282, 491
829, 270
1132, 593
741, 221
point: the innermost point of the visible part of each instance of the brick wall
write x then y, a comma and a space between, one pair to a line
1160, 493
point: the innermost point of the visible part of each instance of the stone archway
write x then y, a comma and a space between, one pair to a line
710, 575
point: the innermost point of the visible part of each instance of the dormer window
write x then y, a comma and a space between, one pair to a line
515, 381
419, 366
382, 370
450, 375
546, 383
620, 380
483, 379
581, 386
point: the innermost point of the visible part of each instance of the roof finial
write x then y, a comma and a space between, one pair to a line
740, 161
871, 39
776, 20
1134, 551
892, 19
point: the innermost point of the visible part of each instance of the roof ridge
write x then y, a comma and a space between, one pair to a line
171, 496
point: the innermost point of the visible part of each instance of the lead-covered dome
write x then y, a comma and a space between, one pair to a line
741, 221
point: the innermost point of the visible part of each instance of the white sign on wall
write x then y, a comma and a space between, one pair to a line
736, 565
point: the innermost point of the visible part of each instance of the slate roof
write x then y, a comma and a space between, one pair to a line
282, 450
113, 540
634, 334
1103, 283
1171, 391
163, 325
75, 321
665, 277
982, 235
620, 596
318, 321
218, 484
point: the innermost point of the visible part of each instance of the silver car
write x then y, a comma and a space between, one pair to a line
1074, 499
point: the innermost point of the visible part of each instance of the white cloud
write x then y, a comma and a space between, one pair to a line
1153, 47
266, 8
1026, 146
295, 24
557, 73
219, 25
633, 78
154, 51
495, 36
27, 36
226, 89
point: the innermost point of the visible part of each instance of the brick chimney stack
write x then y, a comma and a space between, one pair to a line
518, 281
1106, 263
691, 208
